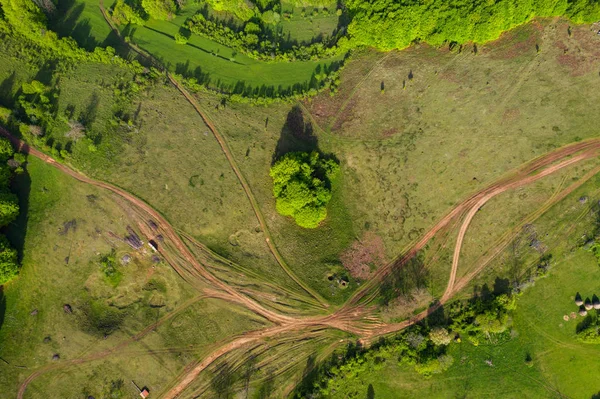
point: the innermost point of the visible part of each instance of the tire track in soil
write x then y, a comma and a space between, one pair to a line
453, 287
344, 318
520, 173
232, 163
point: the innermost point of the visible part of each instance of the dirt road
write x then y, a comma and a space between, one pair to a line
230, 159
351, 317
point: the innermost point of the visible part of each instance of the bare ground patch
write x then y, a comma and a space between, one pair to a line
364, 256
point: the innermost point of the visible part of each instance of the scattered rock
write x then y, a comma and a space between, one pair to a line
47, 339
160, 238
152, 224
34, 312
155, 259
66, 260
583, 200
67, 308
566, 317
56, 356
125, 259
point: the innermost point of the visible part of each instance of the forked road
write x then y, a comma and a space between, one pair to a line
346, 318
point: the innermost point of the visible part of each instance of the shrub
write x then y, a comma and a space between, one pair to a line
9, 208
9, 267
302, 186
159, 9
440, 336
180, 39
124, 14
6, 150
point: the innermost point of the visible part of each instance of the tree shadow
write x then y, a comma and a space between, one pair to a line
297, 134
88, 115
68, 24
585, 323
501, 286
7, 90
313, 370
596, 396
370, 392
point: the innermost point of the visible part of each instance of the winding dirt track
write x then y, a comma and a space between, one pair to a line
352, 316
168, 230
230, 159
347, 318
496, 188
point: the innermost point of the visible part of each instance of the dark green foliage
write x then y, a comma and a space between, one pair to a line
387, 24
588, 330
302, 186
123, 14
422, 346
9, 208
6, 150
9, 266
258, 42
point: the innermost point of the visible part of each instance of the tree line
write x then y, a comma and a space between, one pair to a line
10, 163
423, 347
389, 24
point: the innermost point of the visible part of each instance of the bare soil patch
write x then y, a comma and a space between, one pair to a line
364, 256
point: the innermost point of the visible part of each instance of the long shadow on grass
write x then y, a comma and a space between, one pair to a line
7, 89
194, 46
297, 134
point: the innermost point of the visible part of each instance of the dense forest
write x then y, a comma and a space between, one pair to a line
389, 24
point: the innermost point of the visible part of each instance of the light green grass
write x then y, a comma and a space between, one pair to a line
304, 29
196, 59
83, 21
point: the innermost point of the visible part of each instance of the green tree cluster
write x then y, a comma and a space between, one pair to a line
159, 9
123, 14
258, 41
9, 210
302, 186
423, 346
391, 24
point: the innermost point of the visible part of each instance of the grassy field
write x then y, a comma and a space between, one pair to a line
409, 154
70, 228
561, 366
211, 63
207, 61
449, 123
308, 23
